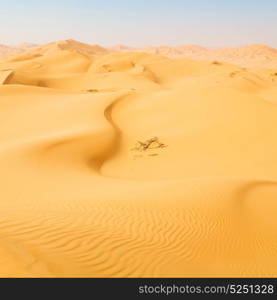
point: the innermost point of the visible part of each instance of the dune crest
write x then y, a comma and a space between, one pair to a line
121, 163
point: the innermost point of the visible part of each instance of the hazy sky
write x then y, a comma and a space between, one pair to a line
140, 22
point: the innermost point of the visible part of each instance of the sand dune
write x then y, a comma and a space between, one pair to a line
136, 164
7, 51
121, 48
247, 56
12, 51
26, 45
256, 55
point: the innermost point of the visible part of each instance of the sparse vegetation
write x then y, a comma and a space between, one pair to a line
233, 74
152, 143
216, 63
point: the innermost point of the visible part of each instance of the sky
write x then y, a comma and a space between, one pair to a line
140, 22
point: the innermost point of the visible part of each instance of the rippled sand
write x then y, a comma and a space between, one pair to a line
134, 164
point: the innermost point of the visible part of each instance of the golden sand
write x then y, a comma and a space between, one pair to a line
136, 165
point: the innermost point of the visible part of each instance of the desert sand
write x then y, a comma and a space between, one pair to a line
122, 163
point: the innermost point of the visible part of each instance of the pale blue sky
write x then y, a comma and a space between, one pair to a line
140, 22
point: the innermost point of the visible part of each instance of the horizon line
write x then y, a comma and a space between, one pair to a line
138, 46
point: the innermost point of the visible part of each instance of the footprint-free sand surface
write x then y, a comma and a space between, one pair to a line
136, 165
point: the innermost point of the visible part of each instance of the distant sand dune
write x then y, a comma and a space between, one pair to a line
82, 196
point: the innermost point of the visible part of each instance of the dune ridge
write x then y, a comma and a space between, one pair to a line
81, 195
255, 55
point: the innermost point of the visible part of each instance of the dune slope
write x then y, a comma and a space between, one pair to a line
136, 165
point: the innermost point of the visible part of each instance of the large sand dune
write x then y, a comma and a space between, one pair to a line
134, 164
